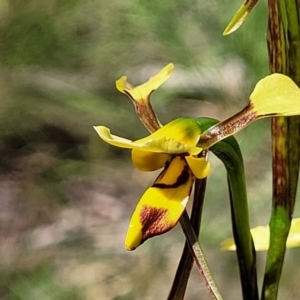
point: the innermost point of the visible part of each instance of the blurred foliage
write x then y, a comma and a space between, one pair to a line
59, 60
38, 285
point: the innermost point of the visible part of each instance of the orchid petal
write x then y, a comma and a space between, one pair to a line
140, 96
276, 95
122, 85
161, 206
149, 161
294, 234
161, 144
177, 137
164, 144
143, 91
261, 237
199, 166
111, 139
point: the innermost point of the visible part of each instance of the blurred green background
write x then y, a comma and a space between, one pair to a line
65, 196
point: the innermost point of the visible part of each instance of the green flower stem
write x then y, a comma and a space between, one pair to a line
284, 57
179, 285
228, 152
198, 256
182, 275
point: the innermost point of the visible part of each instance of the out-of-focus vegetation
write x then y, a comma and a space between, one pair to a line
65, 196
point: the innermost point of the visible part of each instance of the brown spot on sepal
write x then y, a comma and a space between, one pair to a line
153, 221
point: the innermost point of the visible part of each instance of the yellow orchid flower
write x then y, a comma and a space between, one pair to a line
173, 147
261, 237
140, 96
178, 147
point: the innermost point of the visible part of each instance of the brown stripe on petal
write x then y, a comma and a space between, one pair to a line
152, 220
145, 112
228, 127
181, 180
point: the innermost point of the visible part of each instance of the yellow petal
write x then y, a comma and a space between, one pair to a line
199, 166
294, 234
261, 237
164, 145
143, 91
111, 139
149, 161
240, 16
122, 84
160, 141
178, 136
276, 95
228, 245
161, 206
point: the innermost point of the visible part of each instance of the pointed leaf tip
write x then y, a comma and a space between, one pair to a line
240, 16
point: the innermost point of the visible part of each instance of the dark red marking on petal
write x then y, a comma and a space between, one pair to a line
181, 180
152, 220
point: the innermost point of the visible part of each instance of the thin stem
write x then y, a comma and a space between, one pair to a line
182, 275
198, 256
229, 153
185, 265
284, 57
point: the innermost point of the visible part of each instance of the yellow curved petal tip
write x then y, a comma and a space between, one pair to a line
111, 139
133, 238
162, 75
142, 92
122, 84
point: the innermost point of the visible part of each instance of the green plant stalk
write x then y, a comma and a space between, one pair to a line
185, 265
284, 57
240, 217
228, 152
